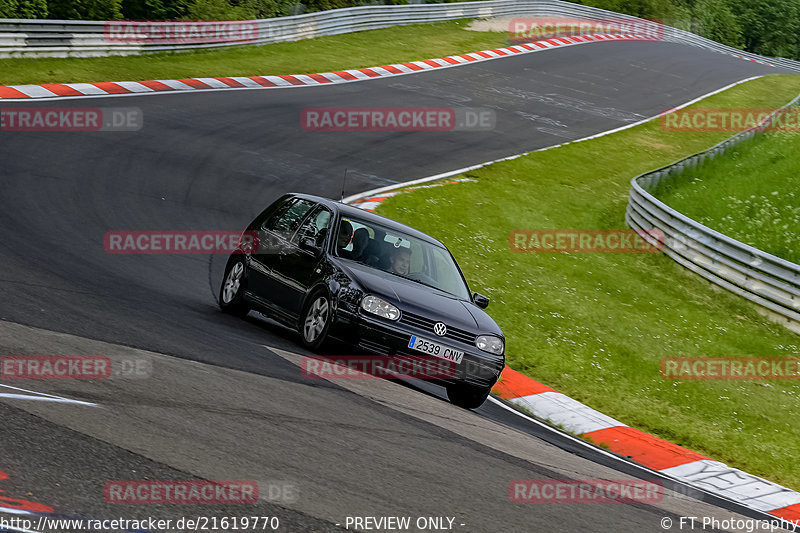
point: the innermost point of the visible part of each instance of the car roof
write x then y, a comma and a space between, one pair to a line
354, 212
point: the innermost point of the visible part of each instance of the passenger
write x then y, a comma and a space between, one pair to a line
400, 261
360, 244
343, 239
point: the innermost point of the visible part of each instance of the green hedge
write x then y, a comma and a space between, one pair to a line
23, 9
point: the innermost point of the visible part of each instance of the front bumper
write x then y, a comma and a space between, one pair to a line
382, 337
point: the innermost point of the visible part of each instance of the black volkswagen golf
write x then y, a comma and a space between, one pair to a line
333, 271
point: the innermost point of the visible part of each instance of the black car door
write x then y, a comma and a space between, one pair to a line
299, 268
273, 243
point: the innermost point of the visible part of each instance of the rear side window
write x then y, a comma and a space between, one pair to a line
288, 217
315, 227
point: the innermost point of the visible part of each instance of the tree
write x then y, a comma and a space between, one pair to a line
153, 9
323, 5
716, 21
23, 9
646, 9
769, 27
217, 10
263, 9
84, 9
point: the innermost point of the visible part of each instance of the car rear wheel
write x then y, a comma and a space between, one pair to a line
467, 396
316, 321
230, 292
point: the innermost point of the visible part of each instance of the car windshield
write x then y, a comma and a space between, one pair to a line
400, 254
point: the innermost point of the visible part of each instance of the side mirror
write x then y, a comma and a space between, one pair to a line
309, 244
480, 300
248, 242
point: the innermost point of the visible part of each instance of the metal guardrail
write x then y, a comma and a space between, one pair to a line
769, 281
63, 38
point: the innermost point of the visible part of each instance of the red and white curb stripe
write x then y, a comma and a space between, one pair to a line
751, 59
63, 90
369, 203
658, 454
118, 88
667, 458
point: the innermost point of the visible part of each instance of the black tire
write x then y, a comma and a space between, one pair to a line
231, 300
315, 321
467, 396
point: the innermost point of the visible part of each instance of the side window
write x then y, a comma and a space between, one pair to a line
288, 217
316, 226
279, 213
355, 226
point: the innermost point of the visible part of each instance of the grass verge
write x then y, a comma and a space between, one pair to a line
595, 326
323, 54
751, 193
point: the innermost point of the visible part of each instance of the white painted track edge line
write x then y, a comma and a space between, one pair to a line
30, 391
30, 398
447, 174
42, 396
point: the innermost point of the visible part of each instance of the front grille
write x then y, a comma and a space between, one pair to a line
426, 324
374, 347
470, 371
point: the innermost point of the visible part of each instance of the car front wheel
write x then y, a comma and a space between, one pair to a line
467, 396
316, 321
230, 293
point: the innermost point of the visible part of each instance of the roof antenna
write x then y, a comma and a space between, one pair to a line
344, 181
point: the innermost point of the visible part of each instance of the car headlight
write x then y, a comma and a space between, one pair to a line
376, 306
490, 343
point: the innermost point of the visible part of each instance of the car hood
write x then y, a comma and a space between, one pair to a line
420, 299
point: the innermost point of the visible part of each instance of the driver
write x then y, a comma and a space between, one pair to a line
400, 261
345, 234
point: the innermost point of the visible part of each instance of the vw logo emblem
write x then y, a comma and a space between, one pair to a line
440, 329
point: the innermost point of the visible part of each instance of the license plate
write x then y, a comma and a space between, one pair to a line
435, 349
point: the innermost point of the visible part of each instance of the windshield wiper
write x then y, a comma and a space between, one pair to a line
417, 281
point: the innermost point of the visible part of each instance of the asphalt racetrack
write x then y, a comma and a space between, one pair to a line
226, 399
